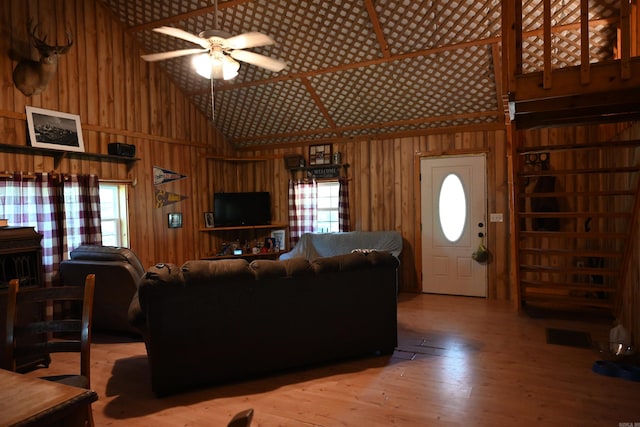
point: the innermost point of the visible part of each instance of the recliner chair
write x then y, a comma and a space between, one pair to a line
117, 271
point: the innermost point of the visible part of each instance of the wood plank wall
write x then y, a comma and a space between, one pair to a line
384, 191
119, 97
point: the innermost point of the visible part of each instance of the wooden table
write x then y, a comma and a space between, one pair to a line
26, 401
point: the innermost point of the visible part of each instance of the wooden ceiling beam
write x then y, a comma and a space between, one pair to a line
377, 28
342, 129
377, 136
319, 103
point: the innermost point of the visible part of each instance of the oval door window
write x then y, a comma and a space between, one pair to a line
452, 207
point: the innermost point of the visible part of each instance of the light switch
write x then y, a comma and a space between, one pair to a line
496, 217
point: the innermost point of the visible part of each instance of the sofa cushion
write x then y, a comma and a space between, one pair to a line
268, 269
354, 261
325, 265
201, 272
377, 258
298, 267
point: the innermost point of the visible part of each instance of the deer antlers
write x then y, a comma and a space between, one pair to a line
41, 44
31, 77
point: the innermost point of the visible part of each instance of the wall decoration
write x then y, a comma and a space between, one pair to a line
279, 237
32, 77
320, 172
208, 219
164, 198
320, 154
175, 220
162, 175
54, 130
294, 161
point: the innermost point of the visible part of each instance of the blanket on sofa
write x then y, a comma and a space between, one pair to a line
317, 245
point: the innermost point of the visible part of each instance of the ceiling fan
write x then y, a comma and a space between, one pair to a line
219, 51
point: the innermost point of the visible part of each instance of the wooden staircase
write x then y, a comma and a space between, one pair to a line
574, 211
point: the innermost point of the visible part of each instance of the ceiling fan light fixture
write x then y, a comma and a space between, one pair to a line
216, 66
230, 67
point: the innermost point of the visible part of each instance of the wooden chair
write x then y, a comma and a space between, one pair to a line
45, 335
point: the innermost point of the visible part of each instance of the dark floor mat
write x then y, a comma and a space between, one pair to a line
569, 338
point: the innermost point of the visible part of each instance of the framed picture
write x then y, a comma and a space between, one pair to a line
175, 220
320, 154
279, 236
269, 244
54, 130
208, 220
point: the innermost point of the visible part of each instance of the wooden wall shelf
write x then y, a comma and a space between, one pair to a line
245, 255
241, 159
248, 257
58, 155
246, 227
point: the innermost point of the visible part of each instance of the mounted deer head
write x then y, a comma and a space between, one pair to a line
31, 77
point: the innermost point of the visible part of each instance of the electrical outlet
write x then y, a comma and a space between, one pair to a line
496, 217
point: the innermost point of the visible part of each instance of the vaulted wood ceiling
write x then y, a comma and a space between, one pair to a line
359, 68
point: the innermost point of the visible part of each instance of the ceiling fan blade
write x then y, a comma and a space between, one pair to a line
270, 64
247, 40
182, 34
172, 54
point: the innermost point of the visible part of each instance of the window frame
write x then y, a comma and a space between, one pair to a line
121, 208
334, 225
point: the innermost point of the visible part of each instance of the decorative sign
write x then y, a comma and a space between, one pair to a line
164, 198
324, 172
161, 175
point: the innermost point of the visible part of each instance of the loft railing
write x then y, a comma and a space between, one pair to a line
558, 48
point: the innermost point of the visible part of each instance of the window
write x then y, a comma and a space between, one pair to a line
453, 207
114, 214
328, 198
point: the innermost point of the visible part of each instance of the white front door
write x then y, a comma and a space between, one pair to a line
453, 201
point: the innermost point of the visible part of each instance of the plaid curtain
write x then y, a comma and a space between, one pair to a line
344, 224
303, 200
34, 201
81, 212
40, 201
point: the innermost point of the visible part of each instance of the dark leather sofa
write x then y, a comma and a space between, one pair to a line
117, 271
209, 322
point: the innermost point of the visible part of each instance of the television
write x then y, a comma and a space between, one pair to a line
241, 209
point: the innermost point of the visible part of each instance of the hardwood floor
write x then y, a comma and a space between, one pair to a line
460, 362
